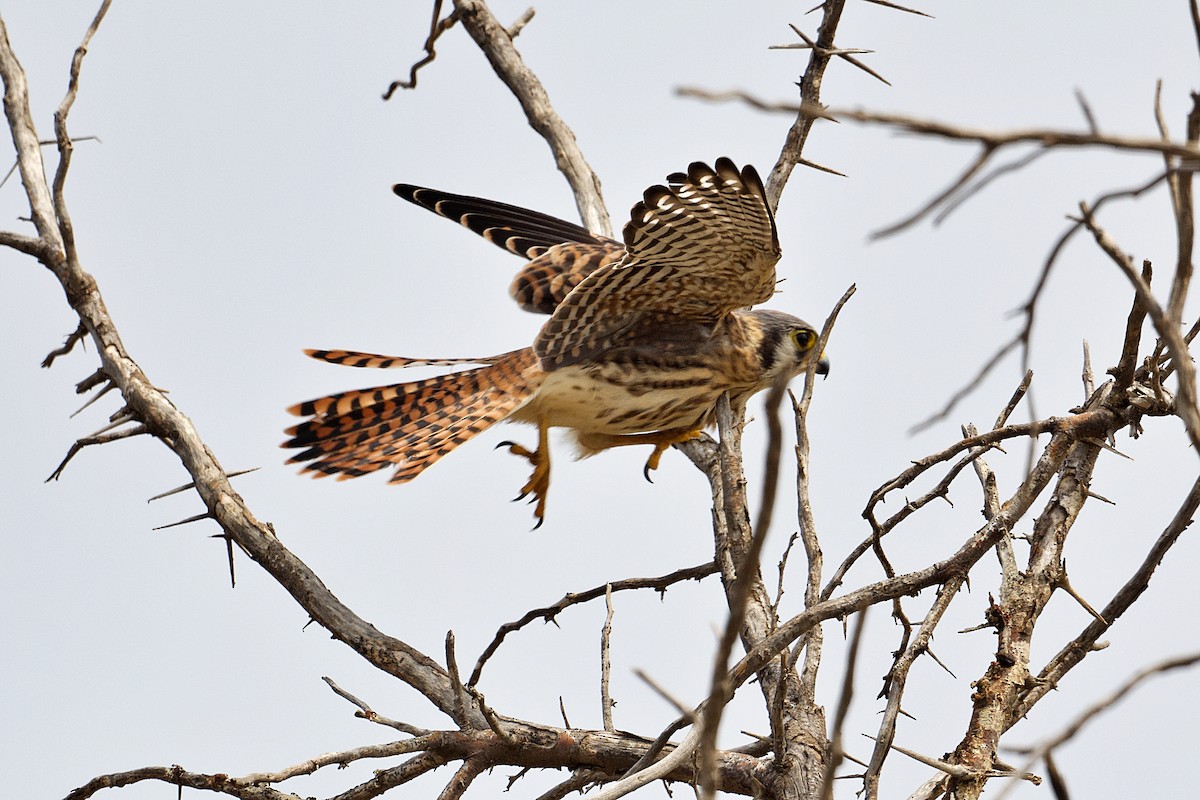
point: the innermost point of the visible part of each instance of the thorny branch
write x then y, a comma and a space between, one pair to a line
822, 51
149, 408
1045, 748
1023, 338
989, 141
993, 142
549, 613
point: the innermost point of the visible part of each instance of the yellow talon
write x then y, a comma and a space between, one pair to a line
662, 444
538, 484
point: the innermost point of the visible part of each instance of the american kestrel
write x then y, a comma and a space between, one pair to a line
643, 337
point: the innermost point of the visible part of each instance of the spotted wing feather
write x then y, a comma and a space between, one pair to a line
547, 280
408, 425
696, 249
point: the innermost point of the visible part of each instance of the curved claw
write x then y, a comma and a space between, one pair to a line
539, 481
655, 457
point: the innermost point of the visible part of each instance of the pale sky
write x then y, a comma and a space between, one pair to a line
238, 209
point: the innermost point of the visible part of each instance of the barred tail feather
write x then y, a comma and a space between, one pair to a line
355, 358
408, 425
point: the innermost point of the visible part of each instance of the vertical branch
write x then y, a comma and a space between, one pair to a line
804, 511
1023, 596
836, 753
606, 703
65, 146
1184, 221
741, 584
29, 154
810, 94
1124, 371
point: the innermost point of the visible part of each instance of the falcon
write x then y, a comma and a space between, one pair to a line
644, 336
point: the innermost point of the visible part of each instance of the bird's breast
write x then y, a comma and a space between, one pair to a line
621, 398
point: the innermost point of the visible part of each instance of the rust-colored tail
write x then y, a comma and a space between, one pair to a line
408, 425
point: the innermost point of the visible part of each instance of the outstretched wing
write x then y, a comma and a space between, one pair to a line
696, 249
561, 254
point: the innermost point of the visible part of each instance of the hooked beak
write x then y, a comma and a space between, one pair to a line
823, 367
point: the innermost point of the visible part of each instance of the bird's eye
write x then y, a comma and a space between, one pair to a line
804, 338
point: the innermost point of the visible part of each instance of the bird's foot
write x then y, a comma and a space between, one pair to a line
662, 444
538, 485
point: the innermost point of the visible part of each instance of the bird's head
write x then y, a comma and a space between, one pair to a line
788, 345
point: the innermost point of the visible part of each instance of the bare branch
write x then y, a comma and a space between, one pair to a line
1185, 229
519, 24
810, 93
848, 55
548, 613
365, 712
972, 550
178, 776
1074, 651
386, 779
740, 586
65, 146
990, 141
1064, 583
1069, 731
29, 158
99, 437
1045, 137
606, 703
150, 407
967, 192
1168, 328
24, 244
951, 769
658, 689
497, 45
1124, 371
897, 678
1088, 378
1023, 338
843, 707
459, 714
437, 26
187, 521
578, 781
341, 759
1195, 9
466, 774
73, 338
675, 759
